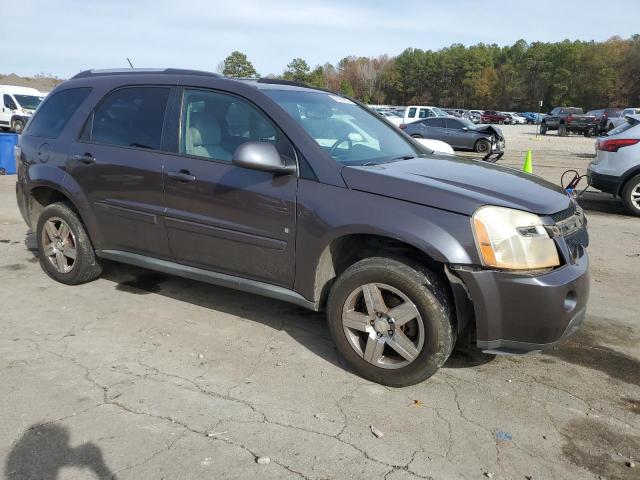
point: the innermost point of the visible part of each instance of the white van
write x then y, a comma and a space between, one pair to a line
17, 104
413, 113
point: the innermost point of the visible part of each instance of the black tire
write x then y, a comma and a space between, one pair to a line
543, 128
482, 146
86, 266
17, 126
424, 289
631, 187
416, 135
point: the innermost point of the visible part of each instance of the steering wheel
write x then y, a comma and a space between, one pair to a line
339, 142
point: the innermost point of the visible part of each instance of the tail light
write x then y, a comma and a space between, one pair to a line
403, 126
569, 118
614, 145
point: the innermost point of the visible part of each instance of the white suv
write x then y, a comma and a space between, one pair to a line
616, 169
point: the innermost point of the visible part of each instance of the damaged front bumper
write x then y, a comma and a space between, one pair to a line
522, 313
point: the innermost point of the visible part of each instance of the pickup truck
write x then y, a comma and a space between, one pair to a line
569, 119
491, 116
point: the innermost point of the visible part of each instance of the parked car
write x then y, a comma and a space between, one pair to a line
460, 133
474, 116
391, 116
454, 112
605, 118
517, 118
510, 120
304, 196
413, 113
437, 146
569, 120
532, 117
491, 116
17, 105
620, 119
616, 168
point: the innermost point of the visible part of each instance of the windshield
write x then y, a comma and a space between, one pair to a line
30, 102
347, 132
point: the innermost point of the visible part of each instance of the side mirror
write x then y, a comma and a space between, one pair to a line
261, 156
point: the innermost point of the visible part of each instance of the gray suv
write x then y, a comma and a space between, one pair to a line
308, 197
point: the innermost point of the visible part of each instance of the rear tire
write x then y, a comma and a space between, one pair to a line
631, 195
543, 129
416, 135
397, 282
66, 253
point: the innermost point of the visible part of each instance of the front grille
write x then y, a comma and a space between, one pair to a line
564, 214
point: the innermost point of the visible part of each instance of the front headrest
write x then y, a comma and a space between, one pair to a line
204, 129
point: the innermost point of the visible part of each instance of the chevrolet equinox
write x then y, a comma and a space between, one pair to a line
305, 196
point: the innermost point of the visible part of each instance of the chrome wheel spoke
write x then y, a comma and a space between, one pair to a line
356, 320
403, 346
403, 313
49, 251
373, 299
52, 231
374, 348
63, 231
61, 261
69, 252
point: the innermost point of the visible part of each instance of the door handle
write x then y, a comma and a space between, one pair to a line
182, 176
86, 158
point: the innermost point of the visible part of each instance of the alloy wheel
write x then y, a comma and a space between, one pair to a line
59, 244
383, 325
635, 196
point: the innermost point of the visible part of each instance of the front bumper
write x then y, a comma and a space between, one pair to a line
521, 313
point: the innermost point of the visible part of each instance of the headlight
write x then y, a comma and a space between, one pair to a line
513, 239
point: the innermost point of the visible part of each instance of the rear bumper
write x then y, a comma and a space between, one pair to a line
520, 313
604, 183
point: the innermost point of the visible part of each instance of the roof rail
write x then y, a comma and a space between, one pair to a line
277, 81
129, 71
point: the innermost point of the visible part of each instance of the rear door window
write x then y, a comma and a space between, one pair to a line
129, 117
438, 123
52, 115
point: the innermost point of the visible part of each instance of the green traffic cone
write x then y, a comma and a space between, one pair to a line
528, 163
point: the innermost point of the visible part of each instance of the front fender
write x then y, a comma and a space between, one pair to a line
444, 236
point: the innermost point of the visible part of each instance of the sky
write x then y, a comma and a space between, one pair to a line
63, 37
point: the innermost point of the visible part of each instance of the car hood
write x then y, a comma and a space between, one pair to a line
457, 184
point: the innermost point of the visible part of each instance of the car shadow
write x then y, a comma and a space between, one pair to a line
600, 202
43, 450
305, 326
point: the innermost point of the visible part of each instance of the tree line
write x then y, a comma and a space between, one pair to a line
586, 74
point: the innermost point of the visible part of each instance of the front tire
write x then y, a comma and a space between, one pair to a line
391, 321
66, 253
631, 195
543, 129
482, 146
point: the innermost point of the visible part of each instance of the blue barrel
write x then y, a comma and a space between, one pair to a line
7, 159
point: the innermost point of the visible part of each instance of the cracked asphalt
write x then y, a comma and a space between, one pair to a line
139, 375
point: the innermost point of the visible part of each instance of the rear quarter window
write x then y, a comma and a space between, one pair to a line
54, 113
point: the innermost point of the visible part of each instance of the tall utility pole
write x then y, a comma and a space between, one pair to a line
538, 122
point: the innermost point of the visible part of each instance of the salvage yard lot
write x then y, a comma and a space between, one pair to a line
140, 375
